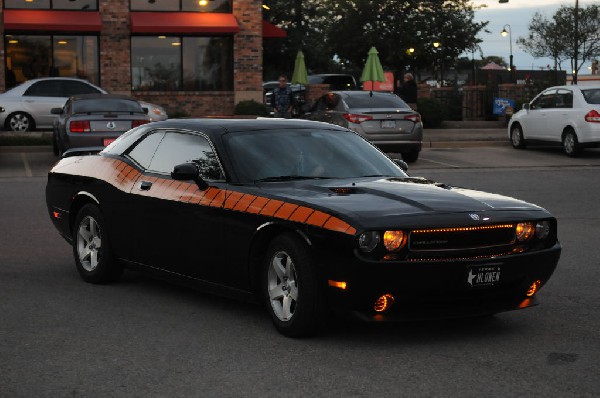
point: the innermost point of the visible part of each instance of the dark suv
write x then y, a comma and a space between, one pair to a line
336, 81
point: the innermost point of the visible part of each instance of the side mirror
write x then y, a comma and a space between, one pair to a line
56, 111
402, 164
189, 171
526, 106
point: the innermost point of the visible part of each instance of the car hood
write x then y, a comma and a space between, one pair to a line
380, 202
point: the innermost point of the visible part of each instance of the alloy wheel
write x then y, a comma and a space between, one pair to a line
89, 243
282, 286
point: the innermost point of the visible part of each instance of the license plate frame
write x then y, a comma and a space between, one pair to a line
483, 275
108, 141
388, 124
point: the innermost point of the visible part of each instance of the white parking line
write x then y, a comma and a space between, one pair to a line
26, 163
442, 163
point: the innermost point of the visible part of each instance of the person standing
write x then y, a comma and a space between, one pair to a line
282, 99
408, 92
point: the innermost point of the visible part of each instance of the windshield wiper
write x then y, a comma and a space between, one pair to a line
289, 178
377, 175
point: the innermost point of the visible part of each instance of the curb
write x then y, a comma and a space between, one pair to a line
26, 148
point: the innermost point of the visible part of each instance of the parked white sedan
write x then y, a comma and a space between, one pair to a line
28, 106
565, 115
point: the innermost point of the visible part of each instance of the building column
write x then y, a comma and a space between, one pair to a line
115, 47
247, 51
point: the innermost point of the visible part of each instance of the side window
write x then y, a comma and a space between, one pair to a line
545, 100
177, 148
564, 99
144, 151
49, 88
73, 87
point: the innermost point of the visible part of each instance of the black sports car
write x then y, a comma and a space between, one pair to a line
307, 217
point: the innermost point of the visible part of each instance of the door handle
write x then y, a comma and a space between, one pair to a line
145, 186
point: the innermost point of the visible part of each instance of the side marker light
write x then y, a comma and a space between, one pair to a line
338, 284
56, 215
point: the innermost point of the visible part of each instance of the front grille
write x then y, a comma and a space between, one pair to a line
461, 238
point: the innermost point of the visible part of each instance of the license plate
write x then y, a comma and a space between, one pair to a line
108, 141
388, 124
483, 275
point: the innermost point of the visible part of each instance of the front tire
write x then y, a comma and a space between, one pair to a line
20, 122
516, 137
570, 143
93, 256
292, 291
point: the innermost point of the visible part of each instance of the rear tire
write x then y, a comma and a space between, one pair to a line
410, 157
570, 143
516, 137
55, 143
91, 247
293, 294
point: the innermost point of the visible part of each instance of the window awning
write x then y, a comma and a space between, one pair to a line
52, 20
183, 22
270, 30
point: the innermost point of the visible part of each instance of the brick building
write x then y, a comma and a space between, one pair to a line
195, 57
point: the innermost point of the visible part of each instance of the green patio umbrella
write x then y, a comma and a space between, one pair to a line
373, 70
300, 76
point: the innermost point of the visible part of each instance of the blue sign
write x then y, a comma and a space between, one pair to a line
503, 106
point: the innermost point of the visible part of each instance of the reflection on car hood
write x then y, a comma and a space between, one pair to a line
371, 202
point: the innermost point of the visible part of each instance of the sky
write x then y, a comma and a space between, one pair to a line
518, 14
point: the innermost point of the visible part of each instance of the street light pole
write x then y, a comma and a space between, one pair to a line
504, 33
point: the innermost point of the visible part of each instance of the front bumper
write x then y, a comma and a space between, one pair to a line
434, 290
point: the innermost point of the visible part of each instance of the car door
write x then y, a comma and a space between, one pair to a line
535, 121
40, 98
558, 116
177, 224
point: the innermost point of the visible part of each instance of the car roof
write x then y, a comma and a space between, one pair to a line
101, 96
349, 93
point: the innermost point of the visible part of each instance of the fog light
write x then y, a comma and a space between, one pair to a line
384, 303
535, 286
339, 284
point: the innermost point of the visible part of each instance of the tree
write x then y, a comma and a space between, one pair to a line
346, 29
557, 39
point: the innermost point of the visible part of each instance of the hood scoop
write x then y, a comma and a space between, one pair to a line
344, 191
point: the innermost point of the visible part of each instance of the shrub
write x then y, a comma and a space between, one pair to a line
432, 112
250, 107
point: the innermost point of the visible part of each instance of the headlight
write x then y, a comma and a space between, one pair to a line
368, 241
542, 229
525, 231
394, 240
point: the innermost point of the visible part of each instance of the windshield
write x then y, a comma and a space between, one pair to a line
106, 105
592, 96
276, 155
378, 100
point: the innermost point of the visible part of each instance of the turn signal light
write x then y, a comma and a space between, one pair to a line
535, 286
354, 118
80, 126
525, 231
384, 303
394, 240
593, 116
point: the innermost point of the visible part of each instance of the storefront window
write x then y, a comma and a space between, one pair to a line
207, 63
223, 6
156, 63
190, 63
29, 57
52, 4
